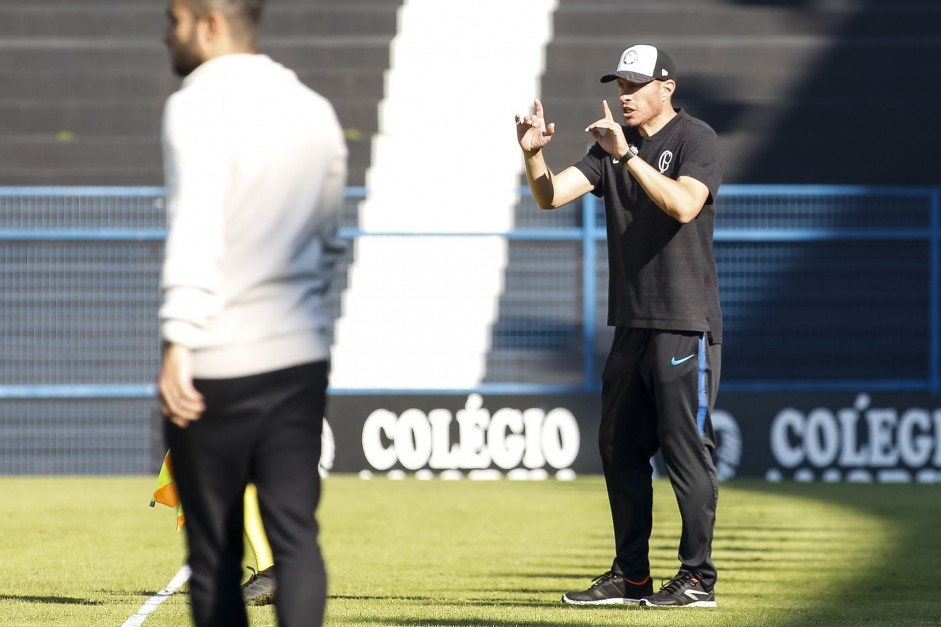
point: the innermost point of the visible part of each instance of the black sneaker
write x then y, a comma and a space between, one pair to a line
684, 590
260, 588
609, 589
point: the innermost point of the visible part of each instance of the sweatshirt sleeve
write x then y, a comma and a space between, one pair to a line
196, 168
331, 202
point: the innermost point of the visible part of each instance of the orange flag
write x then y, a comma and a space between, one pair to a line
165, 492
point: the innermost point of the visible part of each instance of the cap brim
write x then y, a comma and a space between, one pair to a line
633, 77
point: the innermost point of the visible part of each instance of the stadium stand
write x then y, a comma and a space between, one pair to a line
805, 91
797, 89
82, 83
800, 91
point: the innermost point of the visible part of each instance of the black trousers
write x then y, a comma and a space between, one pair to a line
263, 429
658, 391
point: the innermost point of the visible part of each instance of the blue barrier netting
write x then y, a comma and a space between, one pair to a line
824, 288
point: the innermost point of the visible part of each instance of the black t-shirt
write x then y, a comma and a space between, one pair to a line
662, 272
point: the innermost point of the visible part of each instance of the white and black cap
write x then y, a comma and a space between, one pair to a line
641, 64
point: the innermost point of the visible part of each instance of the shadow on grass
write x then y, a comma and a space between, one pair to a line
884, 593
380, 597
26, 598
877, 581
480, 622
492, 623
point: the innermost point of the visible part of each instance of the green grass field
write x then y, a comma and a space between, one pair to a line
89, 551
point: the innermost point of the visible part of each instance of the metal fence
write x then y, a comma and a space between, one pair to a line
823, 288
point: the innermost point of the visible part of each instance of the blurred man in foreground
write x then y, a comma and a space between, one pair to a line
255, 165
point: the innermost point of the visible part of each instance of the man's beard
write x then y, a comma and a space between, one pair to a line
184, 59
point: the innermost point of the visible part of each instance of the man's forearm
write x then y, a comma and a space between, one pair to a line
673, 197
540, 180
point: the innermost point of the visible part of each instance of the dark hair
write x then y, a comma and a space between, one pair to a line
245, 12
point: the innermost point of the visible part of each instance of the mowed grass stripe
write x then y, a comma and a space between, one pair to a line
558, 537
88, 551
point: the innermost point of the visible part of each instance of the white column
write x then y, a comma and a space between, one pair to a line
418, 310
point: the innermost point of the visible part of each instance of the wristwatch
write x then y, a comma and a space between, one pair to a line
632, 151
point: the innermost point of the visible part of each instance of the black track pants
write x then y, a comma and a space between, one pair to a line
658, 391
263, 429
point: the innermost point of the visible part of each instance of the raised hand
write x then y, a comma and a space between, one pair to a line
608, 133
532, 132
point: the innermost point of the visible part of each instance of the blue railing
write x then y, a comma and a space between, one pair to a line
786, 256
915, 231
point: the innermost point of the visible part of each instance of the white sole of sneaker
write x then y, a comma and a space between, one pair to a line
644, 603
601, 602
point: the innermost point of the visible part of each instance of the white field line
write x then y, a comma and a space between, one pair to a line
181, 577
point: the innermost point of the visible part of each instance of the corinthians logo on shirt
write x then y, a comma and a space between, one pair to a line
663, 163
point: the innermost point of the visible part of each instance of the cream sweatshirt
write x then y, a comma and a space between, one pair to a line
255, 166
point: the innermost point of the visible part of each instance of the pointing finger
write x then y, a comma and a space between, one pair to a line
607, 111
538, 107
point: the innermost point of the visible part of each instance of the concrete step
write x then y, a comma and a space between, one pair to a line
855, 157
80, 117
54, 84
32, 20
818, 116
85, 161
378, 5
631, 22
127, 54
130, 117
158, 83
748, 5
728, 85
870, 59
121, 54
126, 20
125, 160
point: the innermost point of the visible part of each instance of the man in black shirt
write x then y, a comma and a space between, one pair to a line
658, 170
